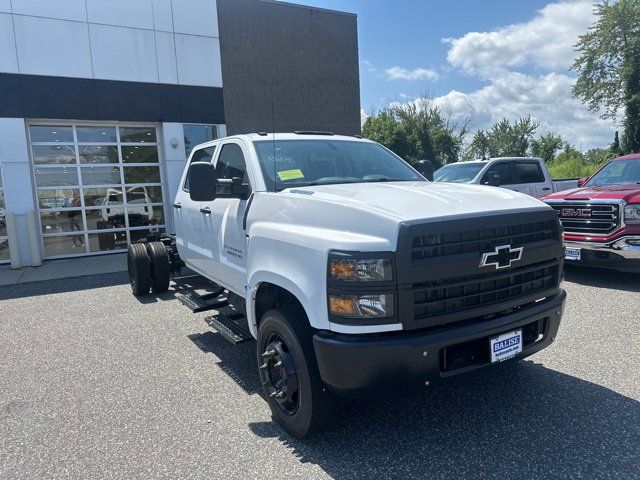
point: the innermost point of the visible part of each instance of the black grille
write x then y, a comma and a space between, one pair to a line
482, 239
588, 218
441, 297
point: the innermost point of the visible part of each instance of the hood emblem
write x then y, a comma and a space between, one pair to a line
502, 257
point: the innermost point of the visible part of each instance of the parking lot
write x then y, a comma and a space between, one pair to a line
95, 383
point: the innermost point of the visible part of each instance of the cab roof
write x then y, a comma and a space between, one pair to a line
631, 156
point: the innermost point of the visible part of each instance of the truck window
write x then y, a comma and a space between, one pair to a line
231, 164
200, 155
529, 172
500, 172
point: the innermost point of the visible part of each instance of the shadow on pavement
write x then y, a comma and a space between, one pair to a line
602, 278
66, 285
186, 283
523, 421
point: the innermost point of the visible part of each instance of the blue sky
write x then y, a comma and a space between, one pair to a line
502, 59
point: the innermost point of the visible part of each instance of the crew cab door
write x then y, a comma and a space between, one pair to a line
530, 177
224, 248
187, 216
499, 174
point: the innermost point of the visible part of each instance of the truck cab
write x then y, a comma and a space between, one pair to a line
356, 275
601, 218
522, 174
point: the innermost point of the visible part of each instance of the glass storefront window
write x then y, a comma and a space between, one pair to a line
51, 133
137, 135
98, 186
141, 175
56, 176
60, 221
59, 198
54, 154
97, 134
100, 175
4, 242
197, 134
98, 154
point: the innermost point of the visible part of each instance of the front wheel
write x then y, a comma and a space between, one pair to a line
289, 374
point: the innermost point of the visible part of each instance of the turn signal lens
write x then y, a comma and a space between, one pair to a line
363, 270
361, 306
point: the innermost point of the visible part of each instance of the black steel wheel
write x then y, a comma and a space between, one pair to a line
139, 268
289, 373
160, 267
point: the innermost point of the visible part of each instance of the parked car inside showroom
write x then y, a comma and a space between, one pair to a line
601, 218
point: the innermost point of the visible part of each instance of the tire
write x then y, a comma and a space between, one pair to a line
314, 403
160, 267
139, 266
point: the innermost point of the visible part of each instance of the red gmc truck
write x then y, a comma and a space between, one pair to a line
601, 218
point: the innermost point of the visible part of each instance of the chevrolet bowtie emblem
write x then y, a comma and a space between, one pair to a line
502, 256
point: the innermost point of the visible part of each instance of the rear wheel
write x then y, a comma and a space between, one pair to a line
160, 267
139, 267
289, 374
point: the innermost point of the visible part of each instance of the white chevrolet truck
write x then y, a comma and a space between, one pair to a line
353, 273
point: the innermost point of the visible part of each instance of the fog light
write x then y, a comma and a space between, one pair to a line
361, 306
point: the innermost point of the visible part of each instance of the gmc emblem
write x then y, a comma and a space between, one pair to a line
575, 212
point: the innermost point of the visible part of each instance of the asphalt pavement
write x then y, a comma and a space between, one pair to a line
95, 383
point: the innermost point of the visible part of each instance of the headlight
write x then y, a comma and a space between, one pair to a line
349, 269
362, 306
632, 213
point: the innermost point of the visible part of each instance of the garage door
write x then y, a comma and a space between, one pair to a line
98, 187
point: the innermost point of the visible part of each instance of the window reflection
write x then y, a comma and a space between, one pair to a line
98, 154
56, 176
51, 133
59, 198
100, 175
140, 154
197, 134
96, 134
56, 154
137, 134
141, 175
103, 197
61, 221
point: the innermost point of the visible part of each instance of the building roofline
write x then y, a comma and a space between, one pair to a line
310, 7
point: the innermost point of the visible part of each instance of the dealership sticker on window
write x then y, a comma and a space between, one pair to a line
290, 174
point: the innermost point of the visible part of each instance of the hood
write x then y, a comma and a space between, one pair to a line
416, 200
628, 193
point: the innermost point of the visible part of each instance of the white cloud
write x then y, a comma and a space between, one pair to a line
398, 73
363, 116
547, 98
547, 41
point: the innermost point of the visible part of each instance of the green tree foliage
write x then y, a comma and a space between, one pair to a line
547, 146
417, 130
570, 163
609, 66
503, 139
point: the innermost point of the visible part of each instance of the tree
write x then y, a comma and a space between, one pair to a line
503, 139
547, 146
417, 130
608, 66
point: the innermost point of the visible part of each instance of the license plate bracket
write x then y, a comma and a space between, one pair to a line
573, 254
505, 346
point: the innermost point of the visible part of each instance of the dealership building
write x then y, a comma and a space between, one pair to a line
102, 101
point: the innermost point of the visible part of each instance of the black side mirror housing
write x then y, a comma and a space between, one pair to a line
582, 181
202, 182
425, 167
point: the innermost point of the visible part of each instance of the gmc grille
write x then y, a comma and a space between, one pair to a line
588, 218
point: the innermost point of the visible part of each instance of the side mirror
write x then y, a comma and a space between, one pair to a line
582, 181
232, 188
425, 167
202, 182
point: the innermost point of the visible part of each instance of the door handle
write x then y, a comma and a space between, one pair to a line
546, 188
177, 205
205, 210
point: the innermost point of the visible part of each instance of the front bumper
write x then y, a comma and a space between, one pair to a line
621, 254
361, 364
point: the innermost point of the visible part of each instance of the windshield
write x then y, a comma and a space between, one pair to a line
620, 172
458, 173
299, 163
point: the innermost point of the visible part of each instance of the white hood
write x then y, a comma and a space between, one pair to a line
416, 200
